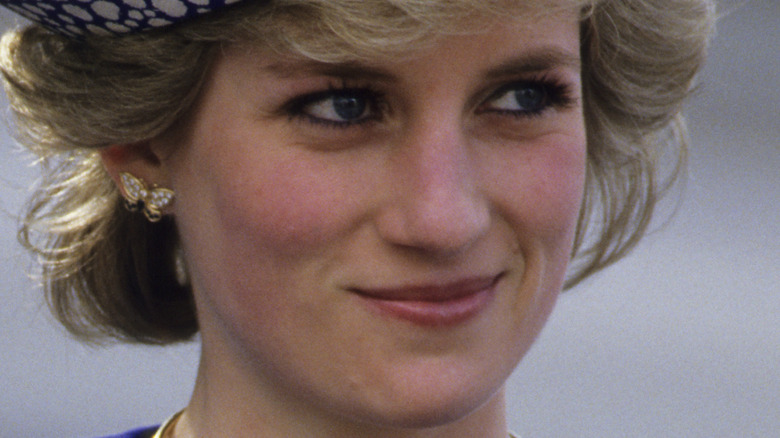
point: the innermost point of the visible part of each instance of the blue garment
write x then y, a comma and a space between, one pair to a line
144, 432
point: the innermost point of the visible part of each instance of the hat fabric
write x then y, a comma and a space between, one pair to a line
81, 17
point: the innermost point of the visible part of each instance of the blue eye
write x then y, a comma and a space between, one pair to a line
339, 107
531, 98
527, 98
349, 107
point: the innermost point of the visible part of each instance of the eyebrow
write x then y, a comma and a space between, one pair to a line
346, 70
537, 60
545, 59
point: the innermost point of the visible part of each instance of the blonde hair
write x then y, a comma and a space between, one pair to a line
108, 273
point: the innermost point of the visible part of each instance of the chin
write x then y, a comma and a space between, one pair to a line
415, 417
428, 406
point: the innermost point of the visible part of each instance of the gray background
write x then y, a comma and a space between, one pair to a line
681, 339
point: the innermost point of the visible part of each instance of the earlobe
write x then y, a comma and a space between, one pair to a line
138, 173
150, 200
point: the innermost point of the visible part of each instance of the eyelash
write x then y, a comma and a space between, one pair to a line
297, 107
556, 95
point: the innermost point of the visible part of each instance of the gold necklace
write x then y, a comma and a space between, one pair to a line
166, 429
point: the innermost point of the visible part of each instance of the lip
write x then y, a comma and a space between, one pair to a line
432, 304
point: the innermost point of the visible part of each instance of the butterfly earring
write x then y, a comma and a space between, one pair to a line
138, 197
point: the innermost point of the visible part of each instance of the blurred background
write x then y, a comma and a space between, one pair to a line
680, 339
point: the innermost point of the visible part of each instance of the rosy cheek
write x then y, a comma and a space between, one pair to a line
547, 178
289, 205
560, 184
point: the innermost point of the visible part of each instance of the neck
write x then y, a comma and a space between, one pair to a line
226, 403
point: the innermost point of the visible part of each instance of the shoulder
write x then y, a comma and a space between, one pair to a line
143, 432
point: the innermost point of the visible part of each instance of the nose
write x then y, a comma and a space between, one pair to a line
436, 204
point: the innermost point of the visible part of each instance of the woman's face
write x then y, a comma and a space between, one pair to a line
383, 240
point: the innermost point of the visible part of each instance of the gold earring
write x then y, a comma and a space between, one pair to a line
139, 198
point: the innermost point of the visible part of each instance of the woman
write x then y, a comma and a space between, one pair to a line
365, 209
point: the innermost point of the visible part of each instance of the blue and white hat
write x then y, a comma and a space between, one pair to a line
77, 18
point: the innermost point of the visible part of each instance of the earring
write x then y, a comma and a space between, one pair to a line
139, 198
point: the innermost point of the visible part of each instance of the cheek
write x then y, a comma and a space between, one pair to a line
558, 190
262, 218
287, 203
543, 195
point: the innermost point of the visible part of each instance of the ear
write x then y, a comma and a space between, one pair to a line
139, 159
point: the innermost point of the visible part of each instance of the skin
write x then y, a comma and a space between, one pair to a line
284, 217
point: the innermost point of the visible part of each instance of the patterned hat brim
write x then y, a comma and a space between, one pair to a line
76, 18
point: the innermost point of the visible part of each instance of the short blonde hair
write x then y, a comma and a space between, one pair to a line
108, 273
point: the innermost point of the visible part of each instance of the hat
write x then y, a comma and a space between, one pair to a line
77, 18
